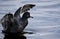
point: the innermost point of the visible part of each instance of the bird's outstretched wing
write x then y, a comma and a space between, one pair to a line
6, 21
27, 7
24, 9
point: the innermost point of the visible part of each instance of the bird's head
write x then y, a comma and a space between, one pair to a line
27, 15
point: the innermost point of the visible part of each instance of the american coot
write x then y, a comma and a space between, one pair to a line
15, 23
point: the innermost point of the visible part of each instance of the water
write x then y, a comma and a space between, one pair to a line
46, 21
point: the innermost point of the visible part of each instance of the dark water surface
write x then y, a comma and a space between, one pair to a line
46, 21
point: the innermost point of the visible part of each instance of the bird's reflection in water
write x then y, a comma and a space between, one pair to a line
15, 36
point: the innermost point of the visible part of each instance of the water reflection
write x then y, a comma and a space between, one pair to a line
14, 36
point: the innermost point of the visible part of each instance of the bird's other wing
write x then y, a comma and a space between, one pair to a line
23, 9
6, 20
17, 13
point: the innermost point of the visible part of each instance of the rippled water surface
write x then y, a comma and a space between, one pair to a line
46, 21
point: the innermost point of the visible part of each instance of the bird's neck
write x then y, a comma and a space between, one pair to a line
24, 18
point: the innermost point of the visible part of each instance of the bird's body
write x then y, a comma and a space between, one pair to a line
15, 23
22, 24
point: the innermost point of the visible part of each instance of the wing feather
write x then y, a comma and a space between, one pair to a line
23, 9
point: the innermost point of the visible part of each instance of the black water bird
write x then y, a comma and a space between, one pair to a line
15, 23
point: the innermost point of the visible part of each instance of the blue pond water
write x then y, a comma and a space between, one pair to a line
46, 21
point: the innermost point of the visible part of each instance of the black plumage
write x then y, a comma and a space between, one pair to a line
15, 23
